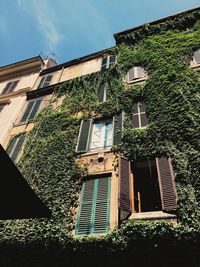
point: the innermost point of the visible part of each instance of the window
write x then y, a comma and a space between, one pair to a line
154, 188
45, 81
31, 110
135, 74
108, 61
15, 147
93, 216
102, 135
94, 135
2, 107
139, 117
196, 57
9, 87
102, 92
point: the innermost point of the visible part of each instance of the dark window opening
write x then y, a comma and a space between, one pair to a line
146, 186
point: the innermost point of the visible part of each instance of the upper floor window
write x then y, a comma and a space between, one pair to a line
99, 134
10, 86
31, 110
102, 92
108, 61
15, 146
94, 210
139, 117
196, 57
45, 81
135, 74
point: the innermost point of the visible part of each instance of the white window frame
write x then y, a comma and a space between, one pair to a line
102, 136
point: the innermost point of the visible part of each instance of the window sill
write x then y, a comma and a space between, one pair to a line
136, 80
152, 215
96, 152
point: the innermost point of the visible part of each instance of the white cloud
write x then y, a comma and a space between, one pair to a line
44, 15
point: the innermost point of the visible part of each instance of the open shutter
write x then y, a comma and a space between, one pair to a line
35, 108
166, 182
84, 222
84, 134
118, 126
102, 205
143, 115
197, 56
102, 92
125, 199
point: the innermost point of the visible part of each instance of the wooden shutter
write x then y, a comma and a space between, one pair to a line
166, 182
94, 209
197, 56
143, 115
135, 116
102, 205
84, 135
104, 63
35, 109
118, 126
13, 85
84, 222
6, 88
101, 92
131, 75
125, 199
25, 117
112, 60
15, 147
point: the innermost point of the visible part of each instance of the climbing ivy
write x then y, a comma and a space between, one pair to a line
171, 94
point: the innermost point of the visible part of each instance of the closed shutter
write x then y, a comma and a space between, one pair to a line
140, 72
102, 205
197, 56
84, 223
125, 198
118, 125
131, 74
15, 147
167, 186
102, 92
84, 134
35, 109
27, 111
112, 60
94, 209
104, 63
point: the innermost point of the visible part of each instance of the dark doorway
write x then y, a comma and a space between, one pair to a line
146, 186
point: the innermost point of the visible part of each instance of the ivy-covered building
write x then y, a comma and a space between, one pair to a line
114, 154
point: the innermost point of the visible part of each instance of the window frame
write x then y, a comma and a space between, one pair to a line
16, 140
94, 207
41, 99
108, 62
139, 113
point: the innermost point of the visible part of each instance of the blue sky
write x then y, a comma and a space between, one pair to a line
73, 28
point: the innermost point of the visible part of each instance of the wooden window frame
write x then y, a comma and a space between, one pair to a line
138, 114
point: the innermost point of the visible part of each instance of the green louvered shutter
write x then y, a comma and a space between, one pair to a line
167, 185
94, 208
84, 135
27, 111
125, 198
118, 126
84, 223
102, 206
35, 109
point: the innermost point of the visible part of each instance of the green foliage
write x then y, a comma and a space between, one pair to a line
171, 94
